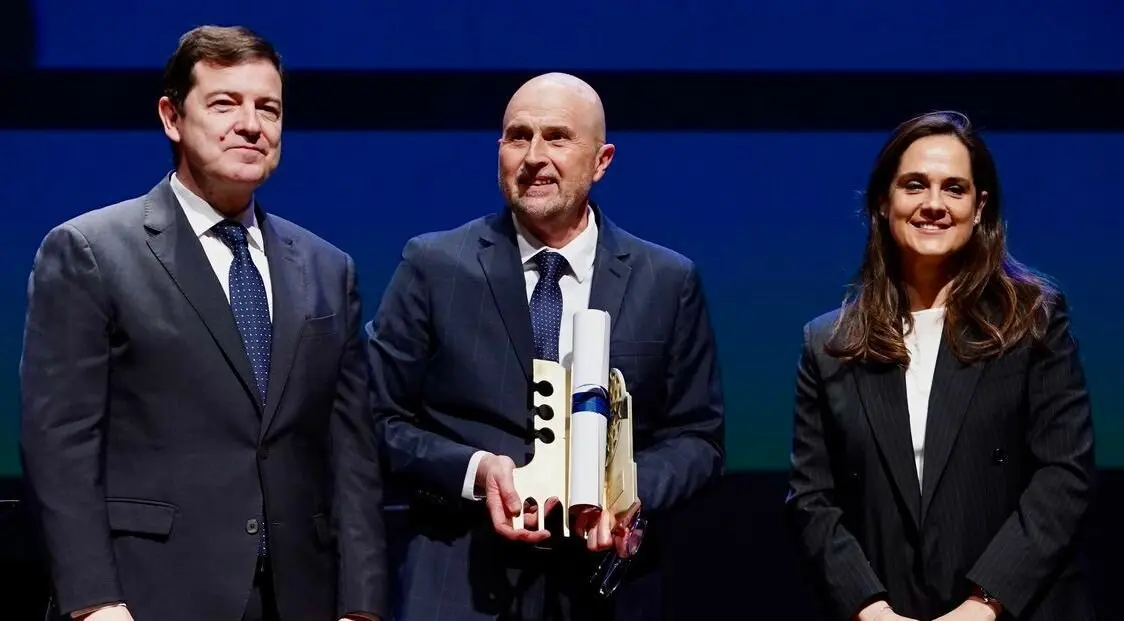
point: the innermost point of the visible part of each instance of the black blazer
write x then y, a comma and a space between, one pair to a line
148, 455
1008, 468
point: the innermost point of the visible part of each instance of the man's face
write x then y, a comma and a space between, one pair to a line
229, 130
549, 154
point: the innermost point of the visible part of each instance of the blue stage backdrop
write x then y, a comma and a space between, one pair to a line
771, 218
623, 34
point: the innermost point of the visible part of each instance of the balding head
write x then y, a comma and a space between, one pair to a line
552, 151
562, 93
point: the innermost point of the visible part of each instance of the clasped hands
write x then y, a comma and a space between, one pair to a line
121, 613
496, 481
973, 609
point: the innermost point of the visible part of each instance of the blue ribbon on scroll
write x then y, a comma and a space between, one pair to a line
594, 399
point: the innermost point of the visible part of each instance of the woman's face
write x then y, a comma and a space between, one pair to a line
932, 206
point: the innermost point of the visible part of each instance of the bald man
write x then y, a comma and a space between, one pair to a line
451, 351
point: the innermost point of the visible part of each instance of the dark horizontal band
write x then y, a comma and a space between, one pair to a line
634, 101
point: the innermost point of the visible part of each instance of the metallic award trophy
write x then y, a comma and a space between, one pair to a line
583, 443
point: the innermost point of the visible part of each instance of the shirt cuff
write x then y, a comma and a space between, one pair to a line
468, 488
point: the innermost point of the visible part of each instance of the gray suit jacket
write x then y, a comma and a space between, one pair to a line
149, 458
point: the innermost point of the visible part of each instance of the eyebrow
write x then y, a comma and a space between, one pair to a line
564, 129
915, 174
237, 95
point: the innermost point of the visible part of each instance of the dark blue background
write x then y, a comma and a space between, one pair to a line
622, 34
770, 217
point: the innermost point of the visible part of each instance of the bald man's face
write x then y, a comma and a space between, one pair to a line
551, 151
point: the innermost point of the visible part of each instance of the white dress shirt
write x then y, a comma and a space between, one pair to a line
575, 284
923, 341
201, 216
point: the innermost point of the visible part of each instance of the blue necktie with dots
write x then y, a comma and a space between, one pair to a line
546, 304
249, 303
251, 313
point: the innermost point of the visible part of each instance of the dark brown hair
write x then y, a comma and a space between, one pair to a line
223, 46
994, 302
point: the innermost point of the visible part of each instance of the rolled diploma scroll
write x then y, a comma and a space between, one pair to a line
589, 415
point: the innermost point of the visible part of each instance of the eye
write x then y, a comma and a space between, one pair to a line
914, 186
956, 189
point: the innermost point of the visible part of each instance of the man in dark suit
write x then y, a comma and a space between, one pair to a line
452, 347
196, 425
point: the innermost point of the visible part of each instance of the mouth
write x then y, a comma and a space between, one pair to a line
537, 181
930, 226
537, 185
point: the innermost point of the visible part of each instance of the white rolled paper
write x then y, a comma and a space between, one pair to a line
589, 415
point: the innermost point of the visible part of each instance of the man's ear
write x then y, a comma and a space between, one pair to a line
604, 158
169, 117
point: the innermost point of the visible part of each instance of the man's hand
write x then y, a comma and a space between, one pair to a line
880, 611
603, 530
113, 612
974, 609
494, 475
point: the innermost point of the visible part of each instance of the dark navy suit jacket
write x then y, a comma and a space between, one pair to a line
451, 351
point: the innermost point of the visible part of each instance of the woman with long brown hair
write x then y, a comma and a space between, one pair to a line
943, 441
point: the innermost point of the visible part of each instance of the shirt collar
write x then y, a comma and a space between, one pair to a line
201, 216
579, 253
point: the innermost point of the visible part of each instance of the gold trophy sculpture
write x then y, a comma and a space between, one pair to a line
583, 433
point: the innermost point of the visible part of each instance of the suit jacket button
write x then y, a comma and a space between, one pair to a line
263, 452
252, 526
999, 456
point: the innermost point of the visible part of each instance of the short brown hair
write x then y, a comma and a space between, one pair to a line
995, 302
224, 46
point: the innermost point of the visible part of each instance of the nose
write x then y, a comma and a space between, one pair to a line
248, 124
934, 201
536, 153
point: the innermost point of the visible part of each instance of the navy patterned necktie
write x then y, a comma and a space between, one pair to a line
251, 313
546, 304
249, 303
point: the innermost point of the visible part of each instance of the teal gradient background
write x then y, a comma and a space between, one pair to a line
772, 219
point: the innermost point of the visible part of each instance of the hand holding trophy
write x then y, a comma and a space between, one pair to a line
583, 450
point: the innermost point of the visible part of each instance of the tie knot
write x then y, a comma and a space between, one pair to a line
551, 265
232, 233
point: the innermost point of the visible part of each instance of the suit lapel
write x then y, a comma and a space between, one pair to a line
953, 386
882, 390
288, 283
175, 245
499, 258
610, 271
